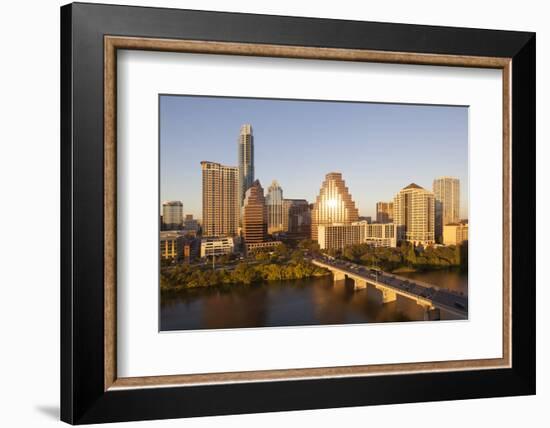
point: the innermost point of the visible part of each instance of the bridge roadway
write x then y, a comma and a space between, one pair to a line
430, 297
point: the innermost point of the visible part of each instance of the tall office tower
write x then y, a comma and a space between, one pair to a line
384, 212
333, 205
447, 203
414, 215
274, 202
297, 218
246, 160
254, 214
220, 199
172, 215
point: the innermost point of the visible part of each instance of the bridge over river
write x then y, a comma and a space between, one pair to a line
431, 297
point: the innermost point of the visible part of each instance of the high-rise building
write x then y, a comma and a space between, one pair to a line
172, 215
287, 204
447, 203
220, 199
246, 160
274, 202
333, 205
384, 212
339, 236
254, 214
414, 216
297, 218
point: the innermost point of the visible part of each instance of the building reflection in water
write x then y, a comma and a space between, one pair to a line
235, 308
312, 301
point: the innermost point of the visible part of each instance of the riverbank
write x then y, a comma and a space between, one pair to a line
302, 302
407, 258
185, 277
404, 269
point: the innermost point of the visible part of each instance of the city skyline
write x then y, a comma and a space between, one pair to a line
293, 145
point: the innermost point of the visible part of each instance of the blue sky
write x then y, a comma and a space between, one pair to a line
379, 148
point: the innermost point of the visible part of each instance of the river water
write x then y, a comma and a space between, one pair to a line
311, 301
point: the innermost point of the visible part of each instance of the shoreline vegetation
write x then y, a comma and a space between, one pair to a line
406, 257
185, 277
279, 265
290, 264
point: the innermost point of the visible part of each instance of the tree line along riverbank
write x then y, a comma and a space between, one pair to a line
244, 273
407, 257
286, 263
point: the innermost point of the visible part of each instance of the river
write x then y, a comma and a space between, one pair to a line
311, 301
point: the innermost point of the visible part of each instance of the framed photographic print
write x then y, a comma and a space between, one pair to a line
264, 213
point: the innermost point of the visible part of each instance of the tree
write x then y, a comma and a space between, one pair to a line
309, 245
261, 256
297, 256
463, 248
410, 255
281, 251
333, 252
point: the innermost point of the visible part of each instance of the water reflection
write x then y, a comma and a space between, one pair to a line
313, 301
451, 279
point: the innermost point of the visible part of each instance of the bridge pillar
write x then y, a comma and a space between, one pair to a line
359, 284
338, 276
431, 313
387, 295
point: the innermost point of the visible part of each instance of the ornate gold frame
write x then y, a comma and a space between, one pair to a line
113, 43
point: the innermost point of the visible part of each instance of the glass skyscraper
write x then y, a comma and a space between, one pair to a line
447, 203
384, 212
333, 205
246, 160
274, 202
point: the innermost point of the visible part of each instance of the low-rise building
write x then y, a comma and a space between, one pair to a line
455, 233
171, 245
191, 248
217, 246
338, 236
379, 235
261, 246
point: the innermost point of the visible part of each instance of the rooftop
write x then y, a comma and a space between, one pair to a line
413, 186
